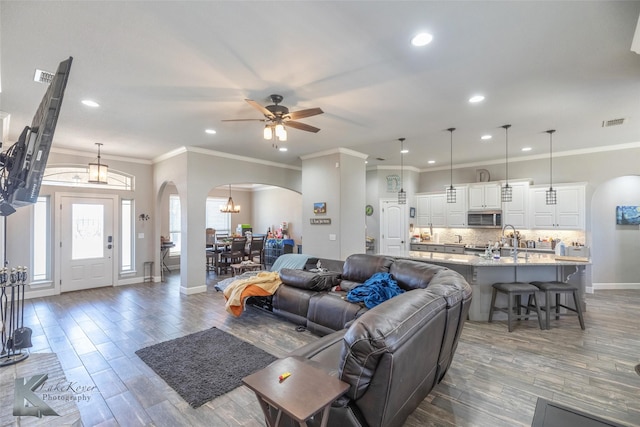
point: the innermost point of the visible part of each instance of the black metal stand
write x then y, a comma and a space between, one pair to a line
11, 313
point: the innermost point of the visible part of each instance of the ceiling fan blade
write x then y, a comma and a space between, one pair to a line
302, 126
295, 115
243, 120
260, 108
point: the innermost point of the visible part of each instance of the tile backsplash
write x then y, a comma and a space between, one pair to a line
480, 236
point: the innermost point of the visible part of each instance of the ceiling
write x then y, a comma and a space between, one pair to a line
163, 72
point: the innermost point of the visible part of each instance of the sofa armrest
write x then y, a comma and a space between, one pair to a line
312, 281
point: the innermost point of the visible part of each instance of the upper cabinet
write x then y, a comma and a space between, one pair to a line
457, 212
430, 210
567, 214
516, 211
484, 196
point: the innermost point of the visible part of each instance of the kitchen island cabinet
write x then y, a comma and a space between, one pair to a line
481, 273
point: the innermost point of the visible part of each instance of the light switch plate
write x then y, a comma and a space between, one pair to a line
332, 237
140, 235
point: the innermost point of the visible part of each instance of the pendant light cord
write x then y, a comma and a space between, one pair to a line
550, 132
506, 152
451, 161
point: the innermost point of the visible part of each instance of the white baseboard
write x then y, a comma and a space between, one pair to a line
194, 290
39, 294
611, 286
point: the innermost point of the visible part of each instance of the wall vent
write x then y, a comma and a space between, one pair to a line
613, 122
42, 76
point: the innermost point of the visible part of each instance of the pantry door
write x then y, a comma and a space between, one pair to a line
392, 227
86, 242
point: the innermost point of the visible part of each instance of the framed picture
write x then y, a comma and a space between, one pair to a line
320, 207
412, 212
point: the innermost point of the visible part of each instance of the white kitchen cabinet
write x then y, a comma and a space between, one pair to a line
456, 213
516, 211
484, 196
567, 214
430, 210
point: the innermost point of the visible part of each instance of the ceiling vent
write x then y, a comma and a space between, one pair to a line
380, 159
41, 76
613, 122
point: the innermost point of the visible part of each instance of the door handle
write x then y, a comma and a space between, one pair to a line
108, 246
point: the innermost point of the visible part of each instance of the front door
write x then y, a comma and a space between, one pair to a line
393, 232
86, 243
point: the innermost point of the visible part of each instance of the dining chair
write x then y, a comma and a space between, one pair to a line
256, 249
210, 249
234, 254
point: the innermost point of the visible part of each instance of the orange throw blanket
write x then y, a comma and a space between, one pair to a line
262, 284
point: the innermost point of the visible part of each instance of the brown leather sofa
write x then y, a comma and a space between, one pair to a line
393, 354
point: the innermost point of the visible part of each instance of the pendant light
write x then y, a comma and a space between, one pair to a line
230, 207
550, 194
98, 171
506, 193
451, 191
402, 195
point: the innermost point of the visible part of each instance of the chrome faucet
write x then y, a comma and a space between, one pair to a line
514, 251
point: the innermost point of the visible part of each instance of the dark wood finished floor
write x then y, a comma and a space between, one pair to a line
494, 380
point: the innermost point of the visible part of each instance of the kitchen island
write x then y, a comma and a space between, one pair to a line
482, 272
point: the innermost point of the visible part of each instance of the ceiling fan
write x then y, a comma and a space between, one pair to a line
277, 116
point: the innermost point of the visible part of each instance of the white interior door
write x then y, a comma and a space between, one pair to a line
86, 243
393, 229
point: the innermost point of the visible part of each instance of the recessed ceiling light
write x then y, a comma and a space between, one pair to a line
485, 137
90, 103
476, 98
210, 131
422, 39
526, 149
431, 162
283, 149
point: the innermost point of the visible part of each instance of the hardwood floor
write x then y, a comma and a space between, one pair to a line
494, 380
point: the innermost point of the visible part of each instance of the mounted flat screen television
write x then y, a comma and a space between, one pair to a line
22, 165
628, 215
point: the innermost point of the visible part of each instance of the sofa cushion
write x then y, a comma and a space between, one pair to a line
413, 274
313, 281
328, 312
359, 267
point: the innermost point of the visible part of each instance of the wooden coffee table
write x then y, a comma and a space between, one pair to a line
241, 268
306, 392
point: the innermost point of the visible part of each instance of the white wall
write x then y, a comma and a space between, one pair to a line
277, 205
617, 256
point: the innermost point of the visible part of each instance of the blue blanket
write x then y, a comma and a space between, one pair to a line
377, 289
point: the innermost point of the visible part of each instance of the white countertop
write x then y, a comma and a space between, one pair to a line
534, 259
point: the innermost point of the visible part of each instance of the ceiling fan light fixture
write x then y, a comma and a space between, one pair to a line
268, 132
281, 132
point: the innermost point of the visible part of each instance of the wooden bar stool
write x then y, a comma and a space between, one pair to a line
558, 288
515, 291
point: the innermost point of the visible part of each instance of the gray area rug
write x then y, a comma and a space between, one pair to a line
204, 365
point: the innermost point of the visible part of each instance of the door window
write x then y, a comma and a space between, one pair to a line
88, 231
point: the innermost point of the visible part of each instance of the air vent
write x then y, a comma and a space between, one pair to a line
613, 122
43, 76
380, 159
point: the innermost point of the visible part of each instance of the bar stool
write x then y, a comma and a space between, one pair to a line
558, 288
515, 290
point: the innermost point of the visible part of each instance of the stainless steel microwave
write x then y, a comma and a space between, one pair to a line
484, 219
